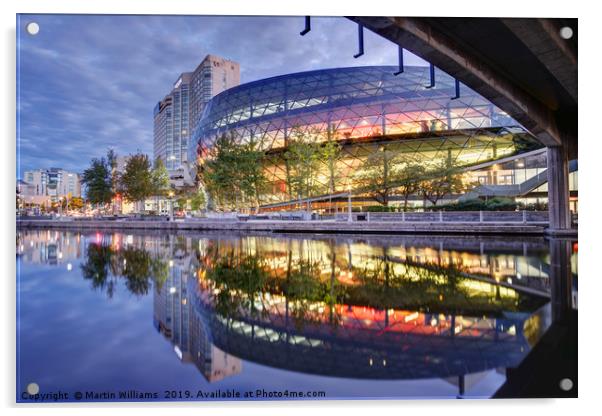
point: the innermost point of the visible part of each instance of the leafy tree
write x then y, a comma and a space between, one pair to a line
378, 174
330, 153
219, 174
443, 178
98, 182
198, 201
234, 176
408, 178
182, 201
136, 182
249, 161
76, 203
160, 178
112, 165
302, 159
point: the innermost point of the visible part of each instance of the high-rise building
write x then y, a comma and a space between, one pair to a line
163, 132
212, 76
177, 113
172, 124
54, 183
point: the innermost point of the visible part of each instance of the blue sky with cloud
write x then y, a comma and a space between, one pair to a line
90, 82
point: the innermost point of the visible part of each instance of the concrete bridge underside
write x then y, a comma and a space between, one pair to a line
522, 65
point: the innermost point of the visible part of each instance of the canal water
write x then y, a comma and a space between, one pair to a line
202, 316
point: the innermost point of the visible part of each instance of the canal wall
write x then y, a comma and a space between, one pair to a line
355, 227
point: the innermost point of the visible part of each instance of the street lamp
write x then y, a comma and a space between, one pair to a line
350, 216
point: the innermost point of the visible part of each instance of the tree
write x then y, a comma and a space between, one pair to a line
249, 161
378, 174
408, 178
76, 203
330, 153
136, 182
443, 178
234, 176
198, 200
98, 181
160, 178
112, 165
302, 159
219, 173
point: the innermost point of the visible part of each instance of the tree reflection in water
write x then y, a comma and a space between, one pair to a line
311, 280
427, 287
104, 264
244, 283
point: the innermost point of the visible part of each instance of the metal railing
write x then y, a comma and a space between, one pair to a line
522, 217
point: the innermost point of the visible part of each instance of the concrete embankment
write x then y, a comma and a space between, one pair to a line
360, 227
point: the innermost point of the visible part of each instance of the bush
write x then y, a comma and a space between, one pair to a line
493, 204
538, 206
381, 208
469, 205
501, 204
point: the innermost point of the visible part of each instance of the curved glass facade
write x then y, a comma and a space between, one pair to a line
362, 107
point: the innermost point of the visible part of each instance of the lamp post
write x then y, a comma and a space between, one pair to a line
350, 216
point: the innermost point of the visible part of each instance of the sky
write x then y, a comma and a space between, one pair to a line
87, 83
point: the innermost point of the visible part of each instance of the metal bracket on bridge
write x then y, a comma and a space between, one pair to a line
400, 62
432, 72
457, 90
307, 26
360, 39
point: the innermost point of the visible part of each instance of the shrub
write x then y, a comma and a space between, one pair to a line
381, 208
469, 205
538, 206
493, 204
501, 204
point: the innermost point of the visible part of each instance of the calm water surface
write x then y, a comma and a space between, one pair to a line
124, 316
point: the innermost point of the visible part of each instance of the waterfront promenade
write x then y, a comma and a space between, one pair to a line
294, 226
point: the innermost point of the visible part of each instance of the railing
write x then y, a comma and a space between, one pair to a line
522, 217
280, 216
516, 189
515, 217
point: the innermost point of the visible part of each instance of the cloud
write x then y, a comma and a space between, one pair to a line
90, 82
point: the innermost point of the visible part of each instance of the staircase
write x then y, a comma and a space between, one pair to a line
513, 190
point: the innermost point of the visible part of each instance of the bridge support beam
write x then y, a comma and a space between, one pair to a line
558, 190
561, 278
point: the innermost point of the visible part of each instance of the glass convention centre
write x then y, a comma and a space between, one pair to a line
367, 110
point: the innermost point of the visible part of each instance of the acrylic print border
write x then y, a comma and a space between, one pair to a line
341, 284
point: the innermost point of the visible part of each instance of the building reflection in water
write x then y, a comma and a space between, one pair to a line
49, 247
369, 307
179, 323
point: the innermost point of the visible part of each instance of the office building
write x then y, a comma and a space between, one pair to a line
53, 183
177, 113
